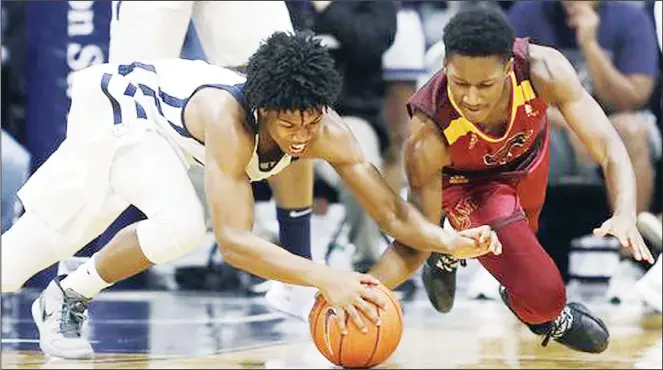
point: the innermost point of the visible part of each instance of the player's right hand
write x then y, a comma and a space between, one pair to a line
475, 242
349, 293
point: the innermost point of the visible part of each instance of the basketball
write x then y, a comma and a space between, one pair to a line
357, 349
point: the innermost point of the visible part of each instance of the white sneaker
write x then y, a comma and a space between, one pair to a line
59, 316
620, 289
293, 300
650, 287
483, 285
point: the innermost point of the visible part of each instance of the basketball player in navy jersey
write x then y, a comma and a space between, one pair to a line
134, 129
478, 154
229, 32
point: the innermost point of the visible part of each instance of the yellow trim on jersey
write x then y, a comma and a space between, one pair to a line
520, 94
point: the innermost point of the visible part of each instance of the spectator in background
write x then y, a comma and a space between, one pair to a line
358, 33
15, 160
612, 45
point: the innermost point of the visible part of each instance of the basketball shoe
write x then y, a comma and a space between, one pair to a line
439, 279
59, 315
293, 300
575, 327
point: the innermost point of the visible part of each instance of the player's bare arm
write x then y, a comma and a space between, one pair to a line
557, 83
228, 144
425, 155
338, 146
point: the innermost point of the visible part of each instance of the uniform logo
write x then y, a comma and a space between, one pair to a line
267, 166
459, 216
473, 140
330, 314
530, 112
505, 153
458, 179
297, 214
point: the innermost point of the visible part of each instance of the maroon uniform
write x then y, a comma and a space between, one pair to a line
515, 162
501, 181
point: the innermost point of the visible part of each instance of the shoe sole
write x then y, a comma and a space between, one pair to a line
48, 350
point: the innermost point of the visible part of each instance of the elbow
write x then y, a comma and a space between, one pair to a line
388, 222
231, 249
393, 218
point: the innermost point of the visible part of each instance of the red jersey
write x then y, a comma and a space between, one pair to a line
473, 151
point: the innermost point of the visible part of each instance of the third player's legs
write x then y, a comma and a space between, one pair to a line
148, 29
230, 31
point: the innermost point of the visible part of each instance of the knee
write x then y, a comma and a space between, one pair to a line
164, 239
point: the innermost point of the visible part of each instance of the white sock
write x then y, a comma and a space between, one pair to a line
85, 280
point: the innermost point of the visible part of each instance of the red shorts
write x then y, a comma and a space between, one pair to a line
499, 200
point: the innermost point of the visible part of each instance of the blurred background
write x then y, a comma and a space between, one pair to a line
44, 42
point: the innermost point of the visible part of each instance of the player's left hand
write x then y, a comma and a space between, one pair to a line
625, 230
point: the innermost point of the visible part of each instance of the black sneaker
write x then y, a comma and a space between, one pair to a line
439, 278
575, 327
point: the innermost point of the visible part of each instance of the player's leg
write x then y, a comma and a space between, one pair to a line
174, 226
293, 193
230, 31
145, 171
148, 29
364, 232
60, 218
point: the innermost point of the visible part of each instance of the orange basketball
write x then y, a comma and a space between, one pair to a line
356, 349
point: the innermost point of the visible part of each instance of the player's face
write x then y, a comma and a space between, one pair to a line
293, 131
477, 84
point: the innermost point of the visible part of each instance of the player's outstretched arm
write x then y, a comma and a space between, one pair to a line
425, 155
556, 82
230, 198
395, 216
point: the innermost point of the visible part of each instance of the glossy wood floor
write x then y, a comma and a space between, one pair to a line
140, 330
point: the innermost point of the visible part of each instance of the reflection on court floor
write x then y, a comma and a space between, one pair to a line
191, 330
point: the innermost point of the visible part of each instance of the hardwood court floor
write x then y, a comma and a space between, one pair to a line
141, 330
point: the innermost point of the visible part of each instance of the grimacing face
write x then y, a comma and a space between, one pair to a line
477, 84
293, 131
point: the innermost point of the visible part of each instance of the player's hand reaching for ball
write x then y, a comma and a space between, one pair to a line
475, 242
350, 293
623, 227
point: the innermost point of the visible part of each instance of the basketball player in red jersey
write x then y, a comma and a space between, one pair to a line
478, 152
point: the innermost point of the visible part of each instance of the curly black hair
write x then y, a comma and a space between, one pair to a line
291, 71
478, 32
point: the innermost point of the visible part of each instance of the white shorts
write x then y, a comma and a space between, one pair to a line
103, 166
229, 31
404, 60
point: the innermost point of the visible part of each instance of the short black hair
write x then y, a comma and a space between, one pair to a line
478, 32
291, 71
